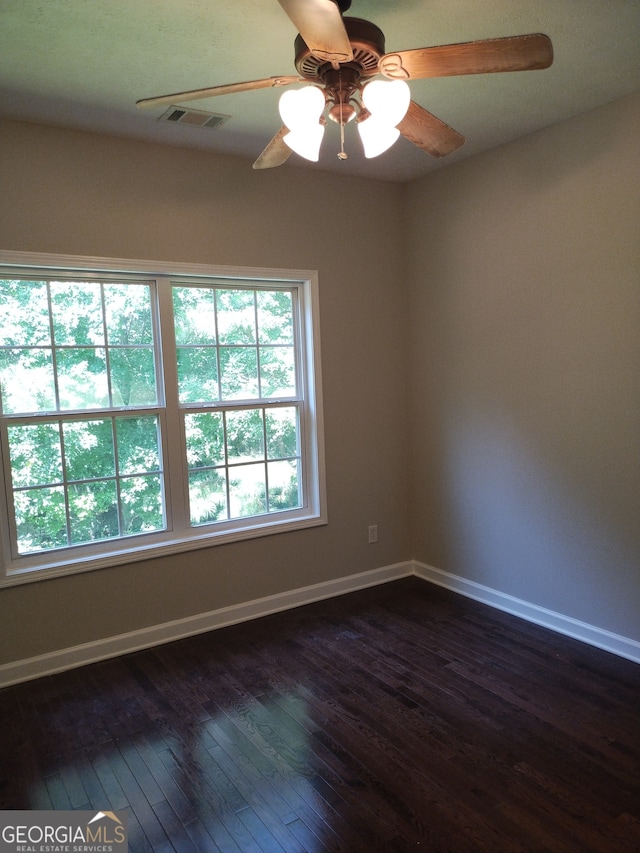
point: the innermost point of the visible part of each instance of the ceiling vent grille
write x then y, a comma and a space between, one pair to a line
196, 118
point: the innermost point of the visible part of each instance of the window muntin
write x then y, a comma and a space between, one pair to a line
234, 344
140, 440
83, 480
72, 345
237, 345
243, 462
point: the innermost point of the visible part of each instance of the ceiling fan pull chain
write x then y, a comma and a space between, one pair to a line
342, 154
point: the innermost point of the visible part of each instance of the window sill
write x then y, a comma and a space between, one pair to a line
17, 575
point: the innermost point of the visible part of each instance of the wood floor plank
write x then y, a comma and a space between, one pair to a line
398, 718
272, 785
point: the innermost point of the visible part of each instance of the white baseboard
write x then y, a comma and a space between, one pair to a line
48, 664
52, 662
615, 643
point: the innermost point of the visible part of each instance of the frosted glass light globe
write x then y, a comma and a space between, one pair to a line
388, 102
300, 110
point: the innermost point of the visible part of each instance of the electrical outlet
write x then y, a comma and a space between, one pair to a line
373, 534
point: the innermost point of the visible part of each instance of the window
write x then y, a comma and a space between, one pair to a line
141, 413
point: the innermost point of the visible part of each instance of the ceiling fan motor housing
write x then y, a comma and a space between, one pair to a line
367, 42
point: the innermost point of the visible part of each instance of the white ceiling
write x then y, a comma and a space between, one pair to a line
84, 63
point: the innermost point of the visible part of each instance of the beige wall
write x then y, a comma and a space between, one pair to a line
525, 306
75, 193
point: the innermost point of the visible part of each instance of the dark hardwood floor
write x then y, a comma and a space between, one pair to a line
398, 718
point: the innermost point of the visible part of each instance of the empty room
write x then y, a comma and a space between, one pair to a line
319, 426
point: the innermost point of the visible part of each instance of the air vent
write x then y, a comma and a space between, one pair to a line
196, 118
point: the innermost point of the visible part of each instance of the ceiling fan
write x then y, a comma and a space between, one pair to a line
340, 55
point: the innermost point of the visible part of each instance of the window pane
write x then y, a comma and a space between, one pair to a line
207, 496
133, 377
24, 308
128, 314
26, 380
236, 316
277, 372
197, 374
247, 491
245, 436
205, 439
82, 378
93, 511
194, 315
283, 485
40, 519
77, 313
275, 317
142, 504
36, 458
88, 449
138, 445
282, 432
239, 373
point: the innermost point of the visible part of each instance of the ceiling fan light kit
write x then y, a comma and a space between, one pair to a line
339, 55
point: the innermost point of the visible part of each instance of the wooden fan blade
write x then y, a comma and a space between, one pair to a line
515, 53
429, 132
320, 24
229, 89
276, 153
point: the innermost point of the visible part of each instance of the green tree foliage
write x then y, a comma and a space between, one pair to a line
242, 462
234, 344
79, 479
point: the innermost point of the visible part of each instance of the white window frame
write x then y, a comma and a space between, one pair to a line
181, 537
